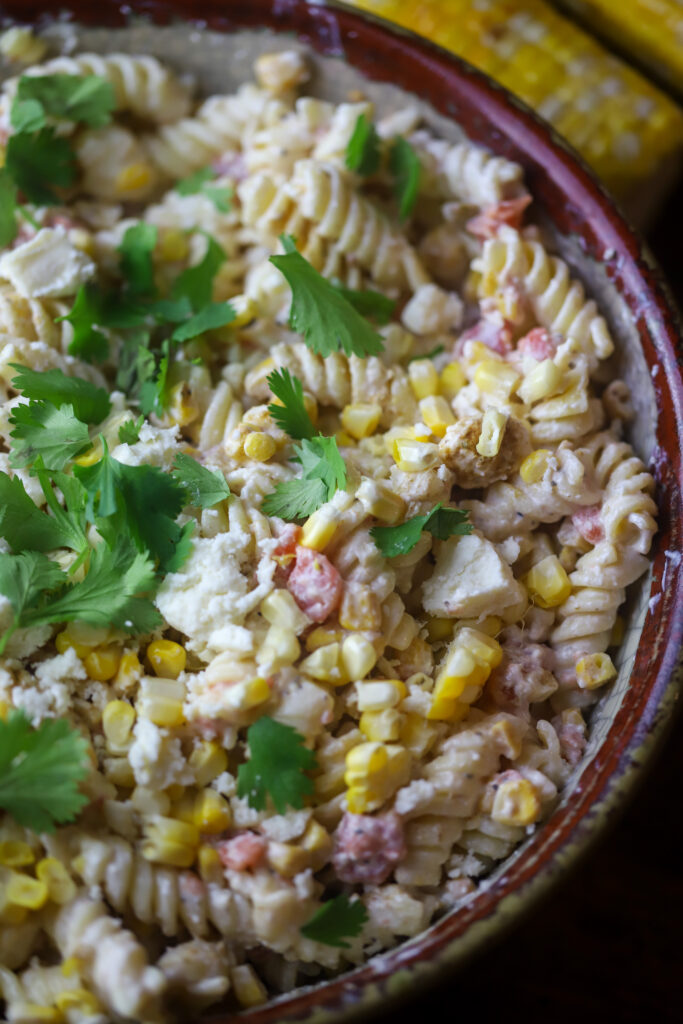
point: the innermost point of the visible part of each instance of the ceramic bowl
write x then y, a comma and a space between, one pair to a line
217, 41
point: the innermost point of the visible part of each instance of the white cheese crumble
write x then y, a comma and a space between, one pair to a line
48, 266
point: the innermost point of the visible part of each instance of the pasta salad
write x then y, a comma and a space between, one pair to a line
316, 518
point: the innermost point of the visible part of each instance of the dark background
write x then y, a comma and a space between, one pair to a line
607, 946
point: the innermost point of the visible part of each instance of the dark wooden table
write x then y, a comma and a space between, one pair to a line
608, 945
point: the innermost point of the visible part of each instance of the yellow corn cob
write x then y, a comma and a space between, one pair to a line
625, 127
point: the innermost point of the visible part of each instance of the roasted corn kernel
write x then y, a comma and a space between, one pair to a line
548, 583
167, 658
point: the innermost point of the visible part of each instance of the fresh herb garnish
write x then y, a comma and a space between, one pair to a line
324, 472
336, 921
440, 522
292, 415
87, 99
41, 429
90, 404
276, 767
198, 183
405, 167
363, 152
204, 488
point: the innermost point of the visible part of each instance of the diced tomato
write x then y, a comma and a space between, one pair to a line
539, 343
367, 848
588, 522
284, 552
315, 584
495, 336
243, 852
509, 212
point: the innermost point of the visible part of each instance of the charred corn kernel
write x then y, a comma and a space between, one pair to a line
129, 672
317, 841
78, 1000
212, 812
287, 859
248, 989
496, 378
381, 726
280, 609
63, 641
452, 379
516, 803
173, 245
60, 886
181, 410
319, 529
15, 854
133, 177
618, 631
279, 649
103, 663
509, 743
325, 664
361, 419
119, 771
169, 841
548, 583
381, 502
150, 801
209, 864
208, 760
440, 629
24, 891
358, 656
248, 694
404, 633
321, 636
436, 414
424, 380
118, 719
20, 44
167, 658
541, 382
37, 1014
380, 694
415, 456
594, 670
360, 608
493, 427
535, 466
259, 446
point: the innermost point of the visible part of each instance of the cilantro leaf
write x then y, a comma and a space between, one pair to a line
196, 283
136, 364
362, 151
136, 264
8, 206
204, 487
87, 343
278, 760
336, 921
216, 314
367, 302
199, 183
41, 429
440, 522
90, 403
295, 499
70, 521
40, 770
129, 432
23, 578
37, 161
88, 99
405, 166
324, 472
326, 319
321, 460
154, 386
22, 523
292, 416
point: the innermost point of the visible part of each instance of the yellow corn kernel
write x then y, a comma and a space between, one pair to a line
491, 625
79, 1000
181, 410
92, 456
506, 738
72, 965
103, 663
360, 608
248, 694
169, 841
404, 633
364, 760
493, 427
415, 456
496, 378
280, 648
167, 658
361, 419
548, 583
161, 703
173, 245
19, 43
594, 670
321, 636
442, 709
133, 177
452, 379
83, 240
60, 886
325, 665
209, 864
247, 987
37, 1014
63, 641
259, 446
319, 529
183, 808
380, 694
287, 859
212, 812
424, 380
317, 841
541, 382
358, 656
461, 670
381, 726
516, 803
129, 671
417, 735
245, 310
436, 414
24, 891
535, 466
149, 802
208, 760
344, 440
381, 502
280, 609
119, 771
440, 629
15, 854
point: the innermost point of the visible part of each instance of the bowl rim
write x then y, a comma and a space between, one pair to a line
577, 204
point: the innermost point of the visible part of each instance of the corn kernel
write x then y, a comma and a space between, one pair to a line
173, 245
381, 502
103, 663
516, 803
280, 609
133, 177
496, 378
72, 965
504, 735
364, 760
279, 649
167, 658
248, 694
212, 812
467, 665
493, 427
452, 379
15, 854
183, 808
424, 380
79, 1000
317, 841
259, 446
181, 410
321, 636
417, 735
380, 694
245, 310
209, 864
415, 456
535, 466
63, 641
344, 440
440, 629
118, 770
325, 664
60, 886
548, 583
129, 671
358, 656
287, 859
249, 990
403, 635
161, 701
208, 761
594, 670
360, 608
118, 719
319, 529
171, 842
544, 380
436, 413
150, 801
381, 726
91, 457
83, 240
24, 891
361, 419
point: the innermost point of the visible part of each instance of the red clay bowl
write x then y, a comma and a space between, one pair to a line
354, 51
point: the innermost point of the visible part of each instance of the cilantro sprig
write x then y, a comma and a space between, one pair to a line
203, 487
199, 184
88, 99
406, 169
363, 152
90, 404
367, 302
42, 429
292, 415
324, 472
440, 522
336, 921
40, 771
276, 767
